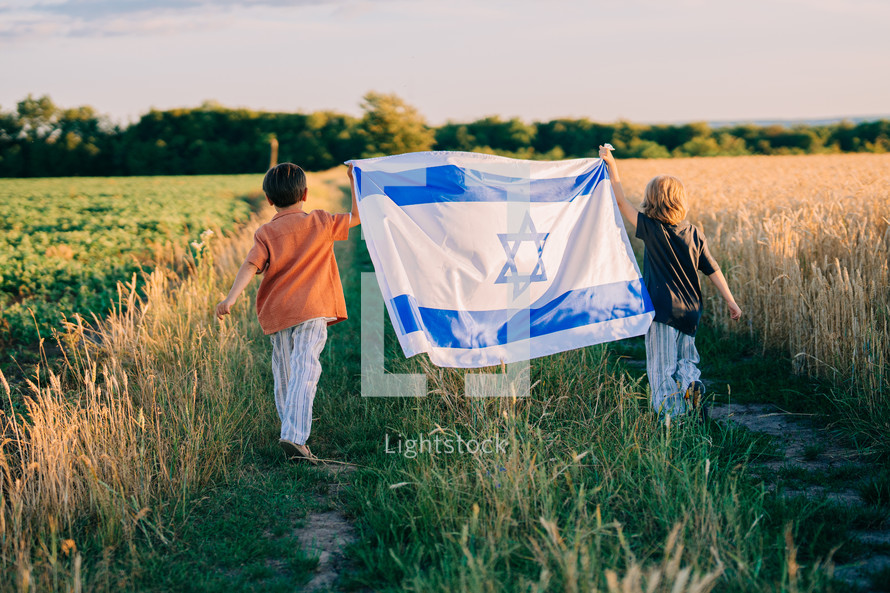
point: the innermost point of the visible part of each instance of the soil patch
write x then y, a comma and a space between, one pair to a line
826, 468
326, 534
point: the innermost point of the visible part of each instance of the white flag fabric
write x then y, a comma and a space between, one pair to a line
484, 260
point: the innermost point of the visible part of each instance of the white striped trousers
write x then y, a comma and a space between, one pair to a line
671, 360
296, 370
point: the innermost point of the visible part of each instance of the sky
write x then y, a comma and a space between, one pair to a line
458, 60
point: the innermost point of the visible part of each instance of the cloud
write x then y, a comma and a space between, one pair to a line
98, 18
101, 9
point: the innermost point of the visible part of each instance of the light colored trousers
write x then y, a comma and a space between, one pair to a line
296, 370
671, 360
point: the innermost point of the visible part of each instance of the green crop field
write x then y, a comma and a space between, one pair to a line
65, 243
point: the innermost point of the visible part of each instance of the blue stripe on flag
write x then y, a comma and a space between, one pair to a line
446, 328
406, 313
449, 183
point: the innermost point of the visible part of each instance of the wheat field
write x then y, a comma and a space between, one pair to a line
804, 242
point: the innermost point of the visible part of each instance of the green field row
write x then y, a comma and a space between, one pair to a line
65, 243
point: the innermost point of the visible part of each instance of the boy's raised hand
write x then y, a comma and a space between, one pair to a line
627, 209
355, 219
606, 154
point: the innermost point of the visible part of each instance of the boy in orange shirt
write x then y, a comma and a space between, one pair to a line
299, 296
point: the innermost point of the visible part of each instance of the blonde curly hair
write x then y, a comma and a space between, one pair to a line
665, 199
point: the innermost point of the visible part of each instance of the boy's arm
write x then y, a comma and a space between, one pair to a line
245, 273
720, 282
354, 220
627, 209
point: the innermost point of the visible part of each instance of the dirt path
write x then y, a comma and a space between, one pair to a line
326, 533
820, 466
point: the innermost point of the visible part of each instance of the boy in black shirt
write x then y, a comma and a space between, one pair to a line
675, 252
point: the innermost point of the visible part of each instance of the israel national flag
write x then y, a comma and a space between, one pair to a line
483, 259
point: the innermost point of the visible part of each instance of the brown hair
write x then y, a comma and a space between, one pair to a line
285, 184
665, 199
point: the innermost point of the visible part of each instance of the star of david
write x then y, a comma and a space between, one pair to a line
511, 242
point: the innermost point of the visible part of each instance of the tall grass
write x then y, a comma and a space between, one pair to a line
805, 245
591, 494
148, 406
151, 405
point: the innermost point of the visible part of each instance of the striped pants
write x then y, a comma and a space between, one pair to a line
671, 360
296, 370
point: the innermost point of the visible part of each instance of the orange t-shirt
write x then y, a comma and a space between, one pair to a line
295, 253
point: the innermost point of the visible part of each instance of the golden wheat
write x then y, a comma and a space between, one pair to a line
804, 242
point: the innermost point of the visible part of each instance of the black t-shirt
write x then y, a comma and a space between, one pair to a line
673, 254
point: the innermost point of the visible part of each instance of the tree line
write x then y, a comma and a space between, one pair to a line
40, 139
